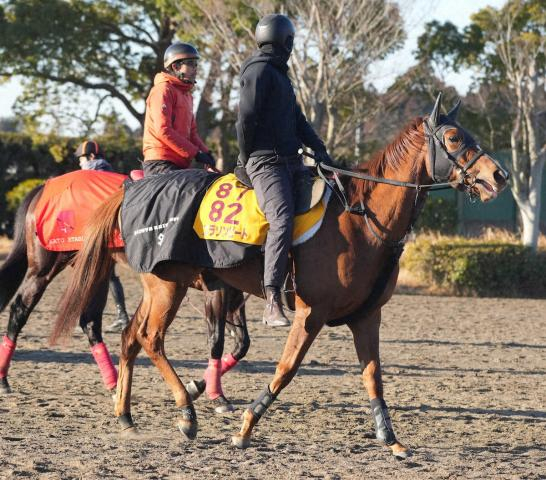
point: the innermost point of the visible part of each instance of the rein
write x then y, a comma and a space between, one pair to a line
436, 151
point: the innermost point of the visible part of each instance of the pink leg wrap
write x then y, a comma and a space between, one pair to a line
228, 362
212, 377
6, 352
106, 367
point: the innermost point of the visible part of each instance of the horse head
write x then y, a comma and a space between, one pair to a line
455, 157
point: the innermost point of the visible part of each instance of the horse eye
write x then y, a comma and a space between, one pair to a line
454, 138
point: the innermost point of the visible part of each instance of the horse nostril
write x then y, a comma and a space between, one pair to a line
501, 177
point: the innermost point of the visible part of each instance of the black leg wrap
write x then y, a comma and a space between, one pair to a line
126, 421
262, 403
201, 385
4, 385
18, 317
188, 413
383, 425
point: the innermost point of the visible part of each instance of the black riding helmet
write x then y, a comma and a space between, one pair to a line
179, 51
276, 29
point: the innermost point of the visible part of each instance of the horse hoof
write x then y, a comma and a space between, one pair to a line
223, 405
240, 442
400, 451
130, 432
188, 428
195, 389
4, 386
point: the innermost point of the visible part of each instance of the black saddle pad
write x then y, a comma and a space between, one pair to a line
157, 218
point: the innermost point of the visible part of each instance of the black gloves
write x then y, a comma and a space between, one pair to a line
207, 158
321, 156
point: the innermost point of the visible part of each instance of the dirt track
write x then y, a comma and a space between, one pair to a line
465, 380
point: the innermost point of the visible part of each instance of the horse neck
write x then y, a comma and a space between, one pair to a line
392, 208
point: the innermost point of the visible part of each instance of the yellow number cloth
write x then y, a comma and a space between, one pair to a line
229, 211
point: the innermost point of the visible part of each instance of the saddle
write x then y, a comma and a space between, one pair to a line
309, 191
230, 211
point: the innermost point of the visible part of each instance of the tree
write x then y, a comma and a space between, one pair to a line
507, 46
10, 124
336, 42
225, 30
110, 49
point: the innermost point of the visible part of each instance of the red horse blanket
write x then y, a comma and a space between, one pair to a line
66, 204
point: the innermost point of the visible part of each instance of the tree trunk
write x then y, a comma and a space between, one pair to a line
202, 116
529, 203
531, 211
530, 208
227, 159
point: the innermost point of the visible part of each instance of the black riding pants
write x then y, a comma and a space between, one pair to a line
155, 167
273, 179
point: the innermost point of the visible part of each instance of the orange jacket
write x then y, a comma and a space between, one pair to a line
170, 131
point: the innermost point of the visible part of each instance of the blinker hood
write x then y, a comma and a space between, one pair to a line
441, 162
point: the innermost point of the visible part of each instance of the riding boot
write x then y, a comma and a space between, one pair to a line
273, 313
121, 322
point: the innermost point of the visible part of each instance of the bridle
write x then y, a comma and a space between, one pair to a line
441, 164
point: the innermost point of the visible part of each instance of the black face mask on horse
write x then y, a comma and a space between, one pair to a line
441, 162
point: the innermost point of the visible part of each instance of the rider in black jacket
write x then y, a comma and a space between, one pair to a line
270, 129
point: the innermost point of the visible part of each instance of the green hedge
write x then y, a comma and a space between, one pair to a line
476, 267
438, 215
18, 193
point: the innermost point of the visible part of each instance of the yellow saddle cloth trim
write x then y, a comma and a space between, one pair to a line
230, 211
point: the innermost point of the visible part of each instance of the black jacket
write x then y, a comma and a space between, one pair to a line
270, 120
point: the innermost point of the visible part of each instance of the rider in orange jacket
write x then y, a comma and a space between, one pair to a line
170, 138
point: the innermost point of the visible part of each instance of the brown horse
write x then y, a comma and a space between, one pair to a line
30, 268
344, 274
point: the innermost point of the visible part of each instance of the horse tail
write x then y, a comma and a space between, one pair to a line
92, 265
13, 270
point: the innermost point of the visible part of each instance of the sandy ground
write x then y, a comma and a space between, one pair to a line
465, 380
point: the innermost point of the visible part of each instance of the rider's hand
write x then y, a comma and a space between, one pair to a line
206, 158
321, 156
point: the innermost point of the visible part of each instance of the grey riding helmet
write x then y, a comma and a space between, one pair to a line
179, 51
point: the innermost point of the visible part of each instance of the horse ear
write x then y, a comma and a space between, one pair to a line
454, 111
435, 114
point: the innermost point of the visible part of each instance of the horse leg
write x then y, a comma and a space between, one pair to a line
91, 324
161, 301
366, 339
216, 311
307, 324
214, 319
222, 307
46, 265
116, 290
236, 318
130, 347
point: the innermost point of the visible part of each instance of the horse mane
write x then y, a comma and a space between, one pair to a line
408, 143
